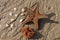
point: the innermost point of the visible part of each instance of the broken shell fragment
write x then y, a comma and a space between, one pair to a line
11, 25
10, 13
21, 20
22, 9
22, 14
12, 19
7, 25
15, 9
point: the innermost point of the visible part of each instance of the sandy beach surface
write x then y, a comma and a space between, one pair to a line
10, 25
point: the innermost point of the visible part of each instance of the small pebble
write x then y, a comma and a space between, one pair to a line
11, 25
23, 9
12, 19
15, 9
10, 13
21, 20
7, 25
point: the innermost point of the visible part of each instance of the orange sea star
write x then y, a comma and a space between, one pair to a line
33, 16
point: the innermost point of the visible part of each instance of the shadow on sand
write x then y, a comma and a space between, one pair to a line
42, 22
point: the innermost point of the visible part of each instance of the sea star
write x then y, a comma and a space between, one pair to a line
33, 15
27, 32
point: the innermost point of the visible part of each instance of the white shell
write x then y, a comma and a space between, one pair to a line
7, 25
12, 19
11, 25
15, 9
22, 14
10, 13
23, 9
21, 20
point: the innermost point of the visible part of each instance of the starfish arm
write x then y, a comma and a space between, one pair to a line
35, 21
42, 16
26, 20
36, 9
